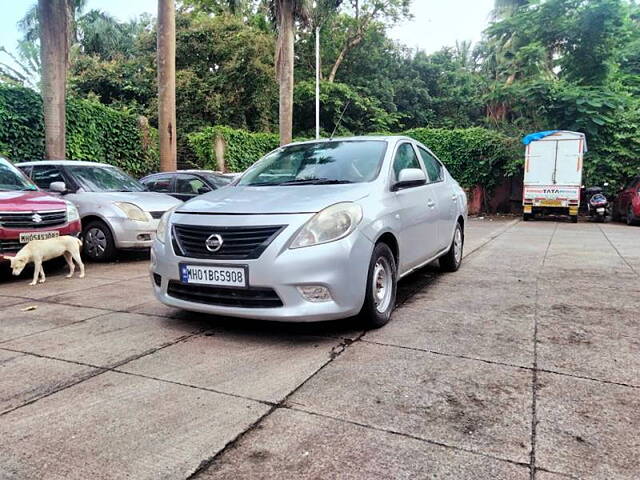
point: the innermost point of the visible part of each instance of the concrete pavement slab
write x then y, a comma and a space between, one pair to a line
296, 445
120, 295
465, 403
252, 365
8, 301
590, 342
116, 426
58, 285
35, 316
587, 429
106, 340
505, 339
26, 377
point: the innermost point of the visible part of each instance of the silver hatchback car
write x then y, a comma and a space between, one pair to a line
313, 231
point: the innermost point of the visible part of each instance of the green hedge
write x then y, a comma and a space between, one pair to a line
472, 155
95, 132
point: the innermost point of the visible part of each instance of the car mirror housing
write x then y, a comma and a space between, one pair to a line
58, 187
410, 177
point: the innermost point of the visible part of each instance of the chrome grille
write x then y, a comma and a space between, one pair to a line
33, 220
238, 243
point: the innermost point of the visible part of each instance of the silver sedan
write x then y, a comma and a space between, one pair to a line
313, 231
116, 211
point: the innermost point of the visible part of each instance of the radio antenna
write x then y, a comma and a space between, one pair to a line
340, 119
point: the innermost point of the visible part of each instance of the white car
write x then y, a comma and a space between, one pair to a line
116, 211
314, 231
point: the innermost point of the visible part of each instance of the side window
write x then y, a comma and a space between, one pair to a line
405, 158
434, 169
44, 175
190, 185
159, 184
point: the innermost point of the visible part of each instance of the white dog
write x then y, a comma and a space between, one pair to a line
38, 251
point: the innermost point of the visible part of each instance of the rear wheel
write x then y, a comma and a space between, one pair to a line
450, 261
527, 216
98, 244
380, 297
631, 218
573, 218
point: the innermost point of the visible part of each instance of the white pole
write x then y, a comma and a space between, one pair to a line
317, 82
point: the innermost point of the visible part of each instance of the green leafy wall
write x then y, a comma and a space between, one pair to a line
475, 156
95, 132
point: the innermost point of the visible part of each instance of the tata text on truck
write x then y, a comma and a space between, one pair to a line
553, 173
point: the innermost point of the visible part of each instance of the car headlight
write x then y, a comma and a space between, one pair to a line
328, 225
72, 213
162, 225
133, 212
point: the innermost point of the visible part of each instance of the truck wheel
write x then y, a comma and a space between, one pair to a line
527, 216
574, 218
98, 244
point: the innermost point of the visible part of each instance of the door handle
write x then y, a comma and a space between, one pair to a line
431, 204
454, 197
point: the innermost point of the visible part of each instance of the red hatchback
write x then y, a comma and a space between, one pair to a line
627, 204
28, 214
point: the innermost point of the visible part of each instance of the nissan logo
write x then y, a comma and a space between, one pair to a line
214, 242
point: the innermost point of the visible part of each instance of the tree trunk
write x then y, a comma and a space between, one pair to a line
354, 42
53, 16
284, 69
167, 84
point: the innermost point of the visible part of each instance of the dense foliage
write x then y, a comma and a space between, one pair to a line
95, 132
473, 155
542, 64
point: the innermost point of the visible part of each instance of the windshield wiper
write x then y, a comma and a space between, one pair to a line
315, 181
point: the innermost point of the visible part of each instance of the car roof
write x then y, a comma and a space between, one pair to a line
384, 138
81, 163
192, 171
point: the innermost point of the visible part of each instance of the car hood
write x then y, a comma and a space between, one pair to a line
275, 200
147, 201
20, 201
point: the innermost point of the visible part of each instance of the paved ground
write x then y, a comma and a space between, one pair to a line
524, 364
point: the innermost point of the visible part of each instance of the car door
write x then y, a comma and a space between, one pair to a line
444, 195
626, 196
189, 186
417, 211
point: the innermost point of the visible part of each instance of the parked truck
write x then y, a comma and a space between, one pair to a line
553, 173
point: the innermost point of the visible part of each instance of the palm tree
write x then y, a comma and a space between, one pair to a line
167, 84
285, 14
53, 21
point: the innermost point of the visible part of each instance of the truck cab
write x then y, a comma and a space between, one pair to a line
26, 213
553, 173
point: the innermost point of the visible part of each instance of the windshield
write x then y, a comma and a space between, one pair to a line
12, 179
321, 163
218, 181
104, 179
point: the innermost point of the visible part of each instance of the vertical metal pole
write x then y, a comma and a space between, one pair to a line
317, 82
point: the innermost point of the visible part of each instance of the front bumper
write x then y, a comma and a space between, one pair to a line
10, 238
131, 234
340, 266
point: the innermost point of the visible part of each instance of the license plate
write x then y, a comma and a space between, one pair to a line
551, 203
214, 275
27, 237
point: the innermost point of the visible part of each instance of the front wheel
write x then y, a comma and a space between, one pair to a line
451, 261
98, 244
380, 297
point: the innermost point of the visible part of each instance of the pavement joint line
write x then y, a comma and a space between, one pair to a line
618, 251
100, 370
504, 364
408, 435
335, 352
534, 372
492, 237
560, 474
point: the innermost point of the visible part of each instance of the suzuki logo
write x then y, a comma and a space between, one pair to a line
36, 218
214, 242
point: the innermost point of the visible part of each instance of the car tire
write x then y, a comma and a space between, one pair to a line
631, 218
451, 261
573, 218
97, 242
381, 288
527, 216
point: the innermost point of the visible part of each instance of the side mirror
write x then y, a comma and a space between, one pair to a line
58, 187
202, 190
410, 177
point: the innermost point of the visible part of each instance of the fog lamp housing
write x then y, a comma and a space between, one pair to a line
315, 293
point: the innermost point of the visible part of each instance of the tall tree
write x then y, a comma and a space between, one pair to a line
53, 19
167, 84
285, 14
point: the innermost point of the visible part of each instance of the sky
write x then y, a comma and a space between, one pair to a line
436, 23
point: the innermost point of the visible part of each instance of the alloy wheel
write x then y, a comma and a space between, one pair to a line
96, 242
